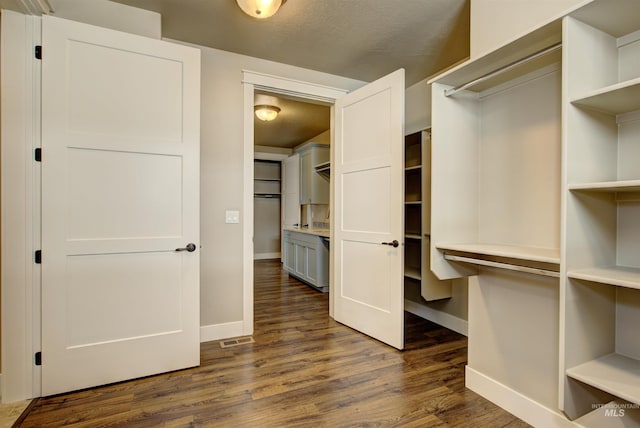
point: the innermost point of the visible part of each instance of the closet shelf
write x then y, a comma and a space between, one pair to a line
614, 275
266, 179
412, 236
616, 99
532, 42
412, 272
613, 373
608, 186
413, 202
534, 254
508, 266
413, 168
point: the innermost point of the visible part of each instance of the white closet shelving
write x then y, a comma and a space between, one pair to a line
537, 170
266, 181
417, 211
266, 206
601, 351
501, 200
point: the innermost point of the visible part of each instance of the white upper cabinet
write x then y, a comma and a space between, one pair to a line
314, 188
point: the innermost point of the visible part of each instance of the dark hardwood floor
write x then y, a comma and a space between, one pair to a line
304, 369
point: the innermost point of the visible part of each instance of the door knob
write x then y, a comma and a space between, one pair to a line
393, 243
191, 247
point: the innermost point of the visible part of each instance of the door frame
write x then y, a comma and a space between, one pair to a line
20, 377
252, 81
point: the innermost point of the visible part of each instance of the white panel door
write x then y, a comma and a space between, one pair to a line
368, 201
120, 193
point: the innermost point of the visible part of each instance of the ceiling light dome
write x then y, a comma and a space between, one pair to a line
260, 8
266, 112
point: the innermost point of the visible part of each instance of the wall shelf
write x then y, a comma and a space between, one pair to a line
616, 99
413, 273
608, 186
613, 373
615, 275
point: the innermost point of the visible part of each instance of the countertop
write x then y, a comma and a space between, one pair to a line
309, 231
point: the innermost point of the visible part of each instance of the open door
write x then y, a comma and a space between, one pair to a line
120, 206
368, 288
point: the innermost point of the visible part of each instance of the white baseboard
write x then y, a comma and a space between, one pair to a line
212, 332
265, 256
514, 402
442, 318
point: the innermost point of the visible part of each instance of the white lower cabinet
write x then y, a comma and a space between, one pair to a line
306, 257
289, 253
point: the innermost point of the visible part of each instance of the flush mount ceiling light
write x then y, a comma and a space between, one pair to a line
260, 8
266, 112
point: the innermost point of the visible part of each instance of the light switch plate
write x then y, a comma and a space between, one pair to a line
232, 217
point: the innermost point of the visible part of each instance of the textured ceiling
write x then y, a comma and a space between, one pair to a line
361, 39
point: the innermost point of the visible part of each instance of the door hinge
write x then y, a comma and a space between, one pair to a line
38, 257
38, 155
38, 358
38, 52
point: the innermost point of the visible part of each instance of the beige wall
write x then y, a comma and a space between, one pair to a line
103, 13
494, 22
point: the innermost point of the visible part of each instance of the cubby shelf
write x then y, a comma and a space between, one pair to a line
412, 272
417, 219
612, 373
615, 99
614, 275
608, 186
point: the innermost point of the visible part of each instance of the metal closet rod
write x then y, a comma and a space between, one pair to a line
451, 91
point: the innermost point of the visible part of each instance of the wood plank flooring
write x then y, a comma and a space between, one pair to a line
304, 370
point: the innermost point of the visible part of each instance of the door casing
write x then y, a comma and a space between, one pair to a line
253, 81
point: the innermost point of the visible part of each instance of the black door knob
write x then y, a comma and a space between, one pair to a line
393, 243
191, 247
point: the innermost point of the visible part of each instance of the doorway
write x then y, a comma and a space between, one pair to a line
274, 86
297, 123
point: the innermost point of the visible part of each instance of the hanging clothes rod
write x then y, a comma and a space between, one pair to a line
451, 91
